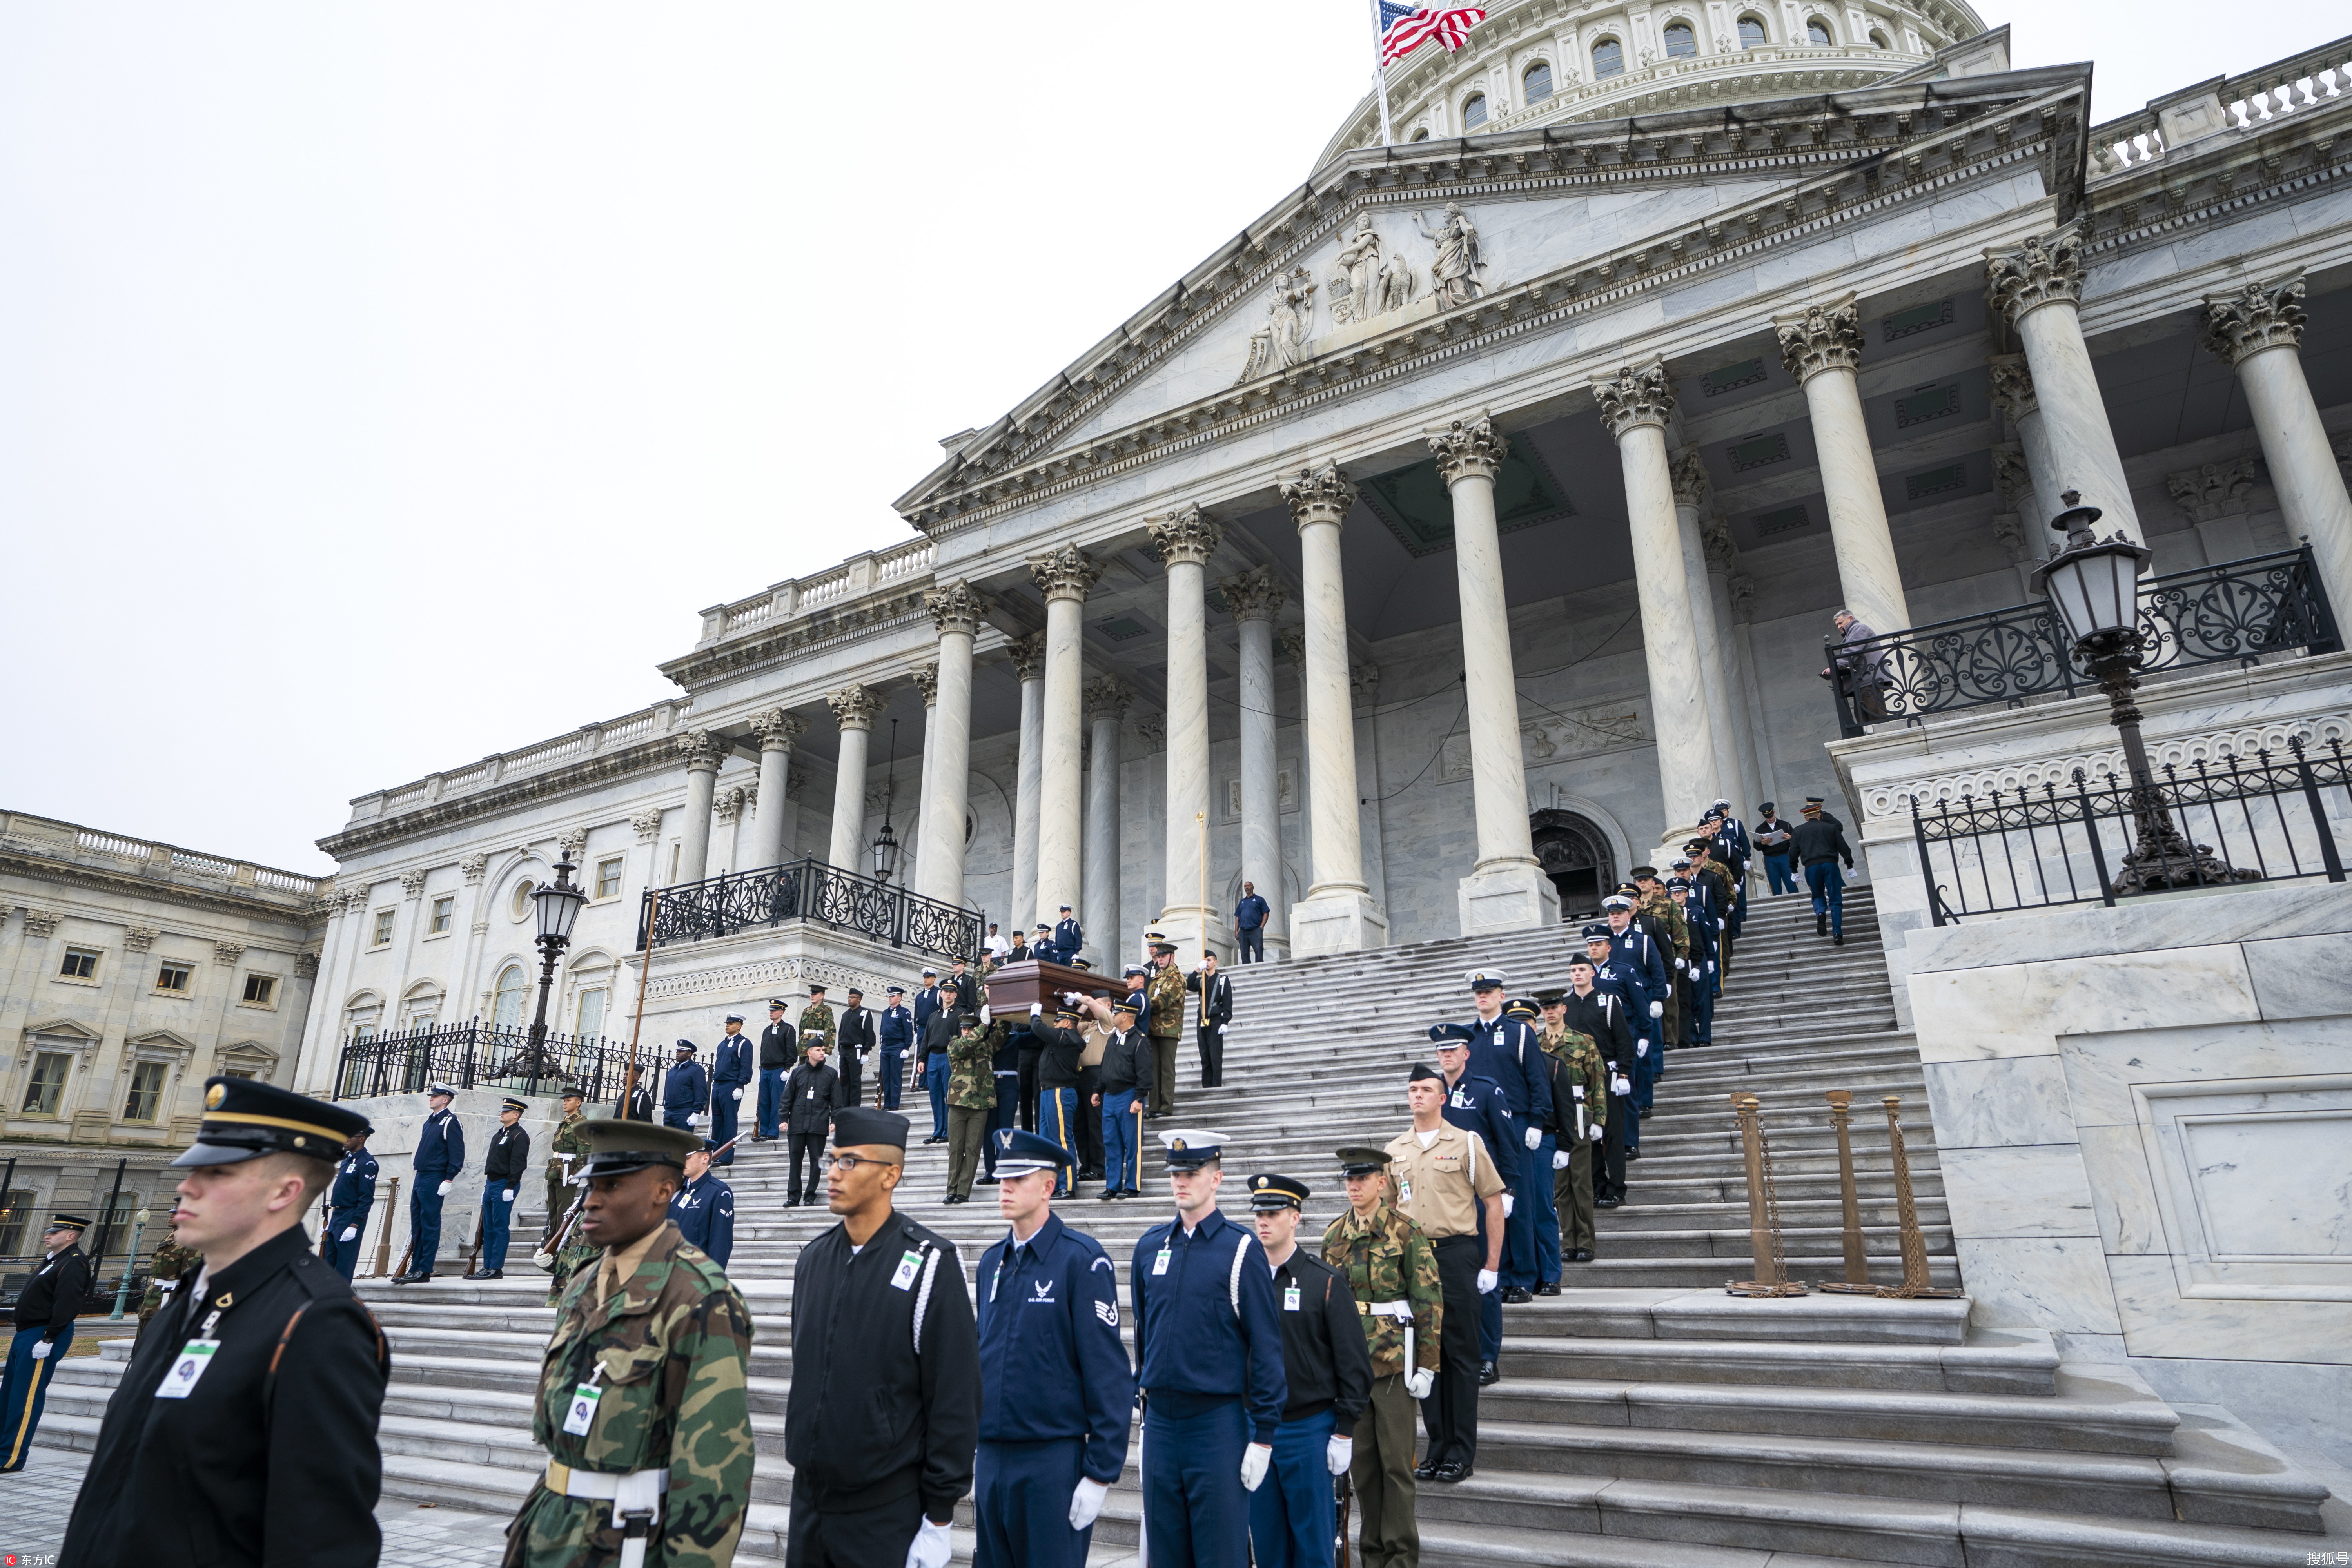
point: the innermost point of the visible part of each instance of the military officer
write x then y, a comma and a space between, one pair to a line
1445, 1178
1164, 989
731, 1079
686, 1090
1656, 913
1328, 1379
566, 1151
348, 1203
1061, 1069
1580, 1104
1056, 1391
502, 1173
1208, 1333
971, 1095
816, 1020
1006, 1064
853, 1043
704, 1208
1711, 889
1640, 964
1474, 1104
44, 1323
884, 1413
1597, 1011
641, 1405
779, 1051
245, 1429
812, 1094
172, 1266
896, 1028
1505, 1049
1391, 1271
1126, 1078
635, 1101
1069, 937
1705, 936
1216, 994
440, 1160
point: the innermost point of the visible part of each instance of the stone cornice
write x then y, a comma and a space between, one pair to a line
646, 756
96, 879
705, 667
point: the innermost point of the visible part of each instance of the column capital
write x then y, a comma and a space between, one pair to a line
1634, 396
1107, 697
2013, 386
958, 608
648, 825
1065, 574
926, 681
1253, 595
778, 728
2045, 270
1692, 487
1184, 537
1722, 550
1028, 656
1292, 641
1364, 681
138, 939
1741, 590
701, 750
2216, 490
2011, 476
854, 706
1318, 495
1468, 448
227, 952
1822, 337
2252, 320
473, 866
729, 804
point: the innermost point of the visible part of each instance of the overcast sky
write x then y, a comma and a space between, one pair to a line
382, 385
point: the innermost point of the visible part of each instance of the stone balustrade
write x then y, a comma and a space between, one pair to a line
2256, 100
102, 850
902, 564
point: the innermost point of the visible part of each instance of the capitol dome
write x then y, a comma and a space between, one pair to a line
1540, 62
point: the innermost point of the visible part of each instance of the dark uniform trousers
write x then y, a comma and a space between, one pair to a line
1008, 1088
1192, 1493
866, 1538
1021, 1504
1609, 1175
345, 1256
1213, 1056
1571, 1194
1164, 1073
1450, 1414
1381, 1470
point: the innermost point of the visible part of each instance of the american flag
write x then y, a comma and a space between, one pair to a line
1405, 27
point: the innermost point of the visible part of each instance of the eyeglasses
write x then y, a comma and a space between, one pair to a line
847, 1164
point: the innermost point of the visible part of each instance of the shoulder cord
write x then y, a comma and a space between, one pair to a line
923, 1298
1233, 1279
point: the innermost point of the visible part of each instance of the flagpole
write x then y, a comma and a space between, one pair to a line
1379, 76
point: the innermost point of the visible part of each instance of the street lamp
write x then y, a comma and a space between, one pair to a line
559, 905
2094, 583
886, 842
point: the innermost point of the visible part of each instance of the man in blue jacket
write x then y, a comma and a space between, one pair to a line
1645, 962
1211, 1347
686, 1090
1249, 920
1056, 1387
730, 1078
897, 1033
704, 1209
1508, 1051
440, 1157
348, 1203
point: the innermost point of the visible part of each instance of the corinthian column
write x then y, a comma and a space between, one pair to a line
1635, 406
1691, 490
1738, 679
1064, 576
2012, 389
1255, 597
1506, 890
1107, 698
956, 610
777, 729
854, 708
702, 751
1029, 664
1185, 539
2039, 288
1337, 915
2260, 331
1822, 349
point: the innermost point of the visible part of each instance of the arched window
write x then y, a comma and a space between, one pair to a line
1537, 82
1878, 41
1608, 58
1474, 113
1682, 43
1819, 32
1422, 135
506, 1007
1751, 33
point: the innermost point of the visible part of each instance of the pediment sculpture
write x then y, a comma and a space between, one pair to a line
1366, 281
1282, 342
1455, 273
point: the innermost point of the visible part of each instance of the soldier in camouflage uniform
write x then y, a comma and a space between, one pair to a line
1392, 1270
174, 1265
644, 1382
971, 1095
566, 1181
1164, 998
1673, 933
816, 1026
1578, 1081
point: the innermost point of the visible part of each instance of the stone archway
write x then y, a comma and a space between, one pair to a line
1575, 854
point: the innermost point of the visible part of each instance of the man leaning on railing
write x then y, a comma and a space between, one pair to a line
1860, 672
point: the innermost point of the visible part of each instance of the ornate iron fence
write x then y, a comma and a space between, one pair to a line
808, 890
2234, 613
2267, 818
474, 1055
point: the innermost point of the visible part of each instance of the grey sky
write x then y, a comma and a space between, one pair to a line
384, 386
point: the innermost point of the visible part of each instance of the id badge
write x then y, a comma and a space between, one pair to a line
582, 1414
1404, 1189
1160, 1264
1290, 1298
910, 1264
186, 1368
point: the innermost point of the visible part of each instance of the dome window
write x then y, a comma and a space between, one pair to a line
1537, 82
1474, 113
1682, 43
1878, 41
1608, 58
1751, 33
1818, 31
1422, 135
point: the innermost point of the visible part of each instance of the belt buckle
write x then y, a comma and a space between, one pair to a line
558, 1477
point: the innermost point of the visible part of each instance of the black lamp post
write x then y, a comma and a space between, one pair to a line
2094, 583
886, 842
559, 905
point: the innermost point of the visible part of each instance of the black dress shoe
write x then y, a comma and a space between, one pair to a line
1514, 1295
1106, 1195
1633, 1153
1489, 1373
1426, 1470
1606, 1202
985, 1182
1584, 1254
1838, 941
952, 1198
1820, 925
1451, 1471
412, 1278
1550, 1287
487, 1274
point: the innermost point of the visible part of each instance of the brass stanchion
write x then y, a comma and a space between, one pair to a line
383, 1242
1857, 1263
1763, 1209
1914, 1284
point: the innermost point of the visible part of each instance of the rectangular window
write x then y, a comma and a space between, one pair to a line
1929, 403
173, 977
1781, 522
146, 1096
608, 878
1758, 451
1747, 373
592, 1013
1936, 481
383, 928
46, 1090
444, 913
81, 963
1917, 319
16, 1220
261, 990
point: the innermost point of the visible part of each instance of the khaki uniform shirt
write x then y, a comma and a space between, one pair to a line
1098, 1040
1443, 1187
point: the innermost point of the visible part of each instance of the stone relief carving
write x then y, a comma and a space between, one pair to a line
647, 823
1365, 281
1455, 272
1151, 729
473, 865
570, 846
796, 782
138, 939
1282, 342
229, 951
41, 922
305, 965
2216, 490
1574, 733
411, 883
728, 806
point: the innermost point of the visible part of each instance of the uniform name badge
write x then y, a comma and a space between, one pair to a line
1290, 1298
1160, 1264
908, 1264
186, 1368
1404, 1189
582, 1414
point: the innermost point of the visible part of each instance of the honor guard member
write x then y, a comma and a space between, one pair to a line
816, 1020
1580, 1099
171, 1267
1208, 1335
884, 1411
780, 1052
1593, 1009
1216, 994
704, 1208
440, 1160
1164, 991
1474, 1104
1070, 938
1057, 1392
502, 1173
1711, 887
244, 1428
731, 1079
1006, 1068
1503, 1049
1126, 1079
1391, 1270
971, 1098
641, 1404
1704, 937
686, 1090
348, 1203
1060, 1066
1041, 945
44, 1332
854, 1042
567, 1155
1445, 1178
1640, 965
636, 1101
1327, 1376
896, 1028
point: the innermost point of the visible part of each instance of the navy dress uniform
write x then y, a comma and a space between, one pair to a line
731, 1079
1209, 1336
704, 1212
1327, 1375
1069, 937
348, 1203
503, 1170
897, 1029
1506, 1050
1056, 1391
44, 1332
685, 1089
440, 1159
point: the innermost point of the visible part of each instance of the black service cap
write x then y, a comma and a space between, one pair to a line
246, 1119
862, 1126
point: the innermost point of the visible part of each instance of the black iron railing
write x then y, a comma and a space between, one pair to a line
2263, 818
808, 890
2231, 613
474, 1055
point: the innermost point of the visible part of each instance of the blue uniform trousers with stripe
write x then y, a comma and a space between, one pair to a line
769, 1109
25, 1388
424, 1224
1021, 1505
1122, 1136
496, 1213
1195, 1514
1058, 1118
1294, 1517
935, 1078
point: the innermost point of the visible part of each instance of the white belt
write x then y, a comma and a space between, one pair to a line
636, 1491
1387, 1309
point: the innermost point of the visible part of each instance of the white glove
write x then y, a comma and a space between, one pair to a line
1255, 1459
507, 1196
1641, 1049
1559, 1161
1220, 1035
694, 1118
1620, 1085
1037, 1010
1339, 1455
1535, 1136
1710, 967
1657, 1009
1487, 1280
443, 1190
1594, 1132
739, 1094
931, 1548
350, 1233
1085, 1503
986, 1015
1506, 1205
1419, 1382
41, 1349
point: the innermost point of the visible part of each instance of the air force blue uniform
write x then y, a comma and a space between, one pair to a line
685, 1092
348, 1203
1207, 1322
1056, 1391
1069, 941
440, 1157
896, 1032
1645, 962
730, 1070
704, 1213
1509, 1053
